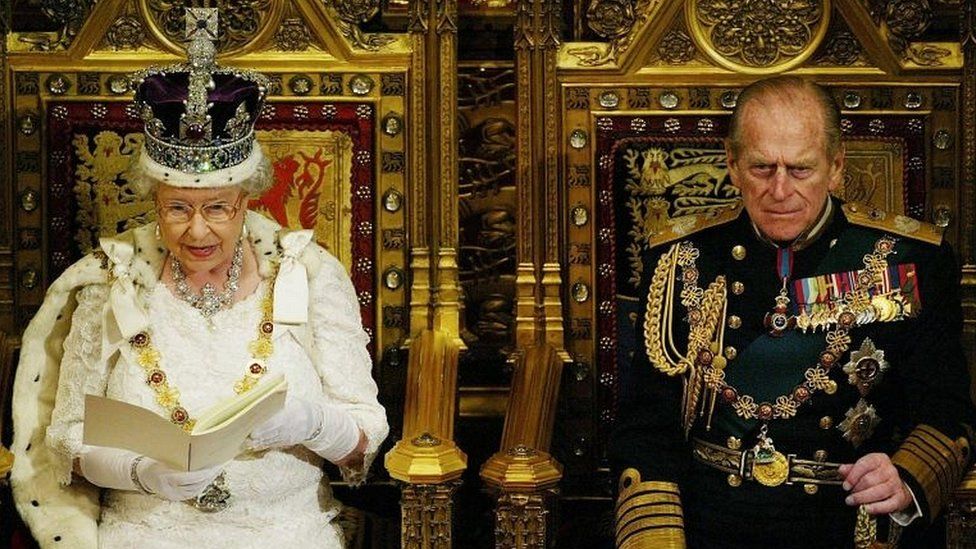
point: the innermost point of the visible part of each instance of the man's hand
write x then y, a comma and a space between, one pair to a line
873, 481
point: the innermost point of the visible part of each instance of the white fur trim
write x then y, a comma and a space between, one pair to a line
225, 177
58, 516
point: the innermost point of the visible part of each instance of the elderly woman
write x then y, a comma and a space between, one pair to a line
183, 313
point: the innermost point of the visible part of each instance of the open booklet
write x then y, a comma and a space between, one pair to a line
217, 436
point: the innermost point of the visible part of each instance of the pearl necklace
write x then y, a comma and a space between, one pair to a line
209, 301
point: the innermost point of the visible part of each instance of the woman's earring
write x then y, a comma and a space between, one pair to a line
159, 235
244, 232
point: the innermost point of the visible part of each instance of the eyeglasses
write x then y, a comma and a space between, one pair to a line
212, 212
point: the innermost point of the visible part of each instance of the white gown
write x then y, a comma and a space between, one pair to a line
279, 497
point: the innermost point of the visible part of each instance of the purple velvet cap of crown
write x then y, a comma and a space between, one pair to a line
165, 94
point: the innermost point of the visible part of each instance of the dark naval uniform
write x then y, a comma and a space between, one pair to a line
747, 392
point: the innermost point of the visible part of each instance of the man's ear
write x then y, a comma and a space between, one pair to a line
837, 168
731, 161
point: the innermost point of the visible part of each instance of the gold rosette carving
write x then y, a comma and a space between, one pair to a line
758, 36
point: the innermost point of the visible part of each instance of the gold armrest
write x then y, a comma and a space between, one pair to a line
426, 461
522, 472
427, 454
528, 423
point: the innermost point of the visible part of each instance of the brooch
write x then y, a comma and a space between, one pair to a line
866, 367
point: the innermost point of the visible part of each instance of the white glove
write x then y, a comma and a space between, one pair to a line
327, 430
168, 483
122, 470
108, 467
293, 424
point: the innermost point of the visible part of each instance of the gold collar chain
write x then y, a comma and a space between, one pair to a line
168, 396
816, 377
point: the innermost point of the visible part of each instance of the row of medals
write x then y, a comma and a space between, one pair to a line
879, 308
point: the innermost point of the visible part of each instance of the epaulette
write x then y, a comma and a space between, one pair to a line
680, 227
866, 215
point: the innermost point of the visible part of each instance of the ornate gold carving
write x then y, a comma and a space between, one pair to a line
426, 440
126, 33
426, 511
537, 41
429, 414
520, 521
905, 20
353, 12
29, 278
419, 134
961, 522
676, 48
610, 19
70, 14
616, 20
240, 21
967, 181
926, 55
756, 35
293, 35
840, 47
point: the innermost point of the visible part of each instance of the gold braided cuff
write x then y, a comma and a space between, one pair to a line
935, 462
648, 514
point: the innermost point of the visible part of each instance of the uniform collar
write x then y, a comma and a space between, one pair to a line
808, 236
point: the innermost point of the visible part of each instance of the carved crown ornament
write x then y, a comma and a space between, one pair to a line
760, 37
246, 26
755, 36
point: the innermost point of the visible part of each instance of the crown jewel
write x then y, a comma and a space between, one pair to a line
199, 116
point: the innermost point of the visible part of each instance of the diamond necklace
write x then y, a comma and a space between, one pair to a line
209, 301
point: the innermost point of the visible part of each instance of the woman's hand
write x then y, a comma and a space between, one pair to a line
160, 479
327, 430
294, 424
354, 459
125, 470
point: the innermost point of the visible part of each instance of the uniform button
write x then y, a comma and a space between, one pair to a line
820, 455
731, 353
831, 387
734, 480
810, 488
826, 422
739, 252
735, 322
733, 443
738, 288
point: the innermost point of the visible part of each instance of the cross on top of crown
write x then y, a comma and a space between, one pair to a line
201, 21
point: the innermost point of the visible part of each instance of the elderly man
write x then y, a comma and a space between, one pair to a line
801, 374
